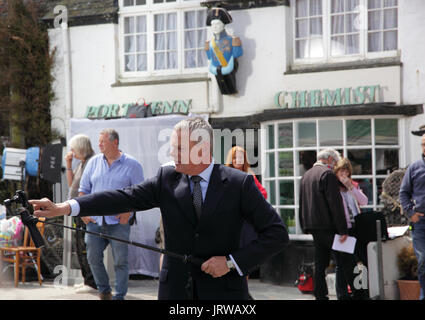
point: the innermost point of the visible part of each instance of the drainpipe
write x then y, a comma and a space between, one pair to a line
67, 75
67, 236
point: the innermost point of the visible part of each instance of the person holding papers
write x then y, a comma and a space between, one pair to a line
322, 215
352, 198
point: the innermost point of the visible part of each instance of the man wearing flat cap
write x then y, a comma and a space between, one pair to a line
222, 50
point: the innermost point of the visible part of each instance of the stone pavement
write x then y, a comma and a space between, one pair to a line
138, 290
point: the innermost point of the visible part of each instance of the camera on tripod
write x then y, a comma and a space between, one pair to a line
19, 203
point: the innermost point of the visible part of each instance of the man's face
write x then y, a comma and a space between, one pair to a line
217, 26
106, 145
187, 152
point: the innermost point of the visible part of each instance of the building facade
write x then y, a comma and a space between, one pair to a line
345, 74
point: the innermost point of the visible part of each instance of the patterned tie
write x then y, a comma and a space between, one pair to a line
197, 195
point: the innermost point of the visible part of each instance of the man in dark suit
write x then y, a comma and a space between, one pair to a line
322, 215
203, 206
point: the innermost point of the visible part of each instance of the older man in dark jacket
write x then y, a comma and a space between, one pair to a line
322, 215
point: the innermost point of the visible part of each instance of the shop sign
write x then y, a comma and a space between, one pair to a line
121, 111
326, 97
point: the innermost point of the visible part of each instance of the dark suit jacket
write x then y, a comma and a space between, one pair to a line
232, 196
321, 206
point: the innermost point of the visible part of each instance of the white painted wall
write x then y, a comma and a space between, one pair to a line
411, 34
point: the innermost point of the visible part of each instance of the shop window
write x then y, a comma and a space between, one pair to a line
162, 37
372, 146
339, 30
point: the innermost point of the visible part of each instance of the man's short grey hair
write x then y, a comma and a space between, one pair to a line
326, 153
113, 134
194, 124
81, 144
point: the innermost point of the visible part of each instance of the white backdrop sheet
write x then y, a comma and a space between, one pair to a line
141, 139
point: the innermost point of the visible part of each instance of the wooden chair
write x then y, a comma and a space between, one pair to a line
25, 255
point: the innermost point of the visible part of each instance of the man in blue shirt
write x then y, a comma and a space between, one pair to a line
412, 198
111, 169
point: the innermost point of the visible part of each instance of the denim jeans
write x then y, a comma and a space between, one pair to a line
95, 248
418, 237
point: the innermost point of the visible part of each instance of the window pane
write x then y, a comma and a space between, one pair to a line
330, 133
286, 164
286, 192
301, 8
128, 25
316, 26
190, 39
271, 165
130, 63
285, 135
190, 59
201, 18
373, 4
379, 183
202, 36
270, 136
129, 45
171, 40
350, 25
358, 132
390, 19
315, 7
141, 24
172, 60
390, 3
160, 41
316, 48
375, 42
390, 40
337, 6
159, 22
172, 21
140, 2
375, 20
128, 3
160, 61
189, 19
306, 134
361, 160
353, 44
301, 49
141, 43
202, 59
386, 160
301, 28
288, 217
306, 159
271, 191
350, 5
338, 24
366, 186
142, 64
337, 46
386, 131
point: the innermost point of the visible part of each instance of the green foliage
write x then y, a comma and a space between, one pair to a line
26, 81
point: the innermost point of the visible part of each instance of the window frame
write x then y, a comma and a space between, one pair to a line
296, 178
149, 10
326, 37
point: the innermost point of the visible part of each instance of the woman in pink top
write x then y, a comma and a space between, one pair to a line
352, 198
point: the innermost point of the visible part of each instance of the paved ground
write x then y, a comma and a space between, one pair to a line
138, 290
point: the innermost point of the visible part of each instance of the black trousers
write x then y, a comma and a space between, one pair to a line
323, 241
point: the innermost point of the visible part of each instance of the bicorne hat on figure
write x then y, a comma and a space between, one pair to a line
420, 132
220, 14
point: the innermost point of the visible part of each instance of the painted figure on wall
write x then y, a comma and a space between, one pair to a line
223, 50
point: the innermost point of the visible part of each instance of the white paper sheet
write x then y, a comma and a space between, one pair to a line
394, 232
347, 246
